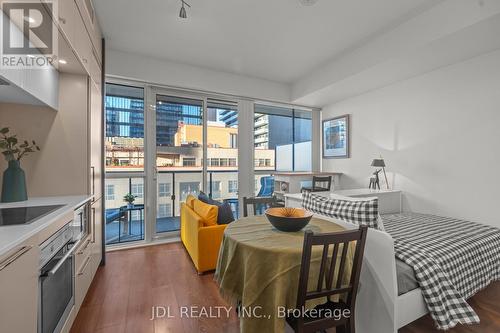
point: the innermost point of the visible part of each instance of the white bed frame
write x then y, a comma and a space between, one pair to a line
379, 309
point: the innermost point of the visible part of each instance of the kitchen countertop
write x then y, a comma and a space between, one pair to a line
13, 235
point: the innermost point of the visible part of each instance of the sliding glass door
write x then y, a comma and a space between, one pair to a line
179, 156
196, 149
162, 145
125, 177
222, 152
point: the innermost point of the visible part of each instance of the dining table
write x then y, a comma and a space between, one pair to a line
258, 270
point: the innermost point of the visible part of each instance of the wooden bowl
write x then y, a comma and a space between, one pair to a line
288, 219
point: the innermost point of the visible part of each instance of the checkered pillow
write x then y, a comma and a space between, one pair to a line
357, 212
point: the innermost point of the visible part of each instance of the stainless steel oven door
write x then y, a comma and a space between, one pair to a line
57, 290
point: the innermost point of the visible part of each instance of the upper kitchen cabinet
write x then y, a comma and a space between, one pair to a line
87, 12
77, 22
96, 141
26, 78
66, 17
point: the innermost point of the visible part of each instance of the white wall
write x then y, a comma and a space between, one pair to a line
448, 32
150, 70
439, 134
61, 167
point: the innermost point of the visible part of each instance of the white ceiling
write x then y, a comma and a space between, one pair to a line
277, 40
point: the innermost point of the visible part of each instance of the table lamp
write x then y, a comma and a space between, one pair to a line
380, 163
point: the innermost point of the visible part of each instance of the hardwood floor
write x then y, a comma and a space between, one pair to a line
123, 292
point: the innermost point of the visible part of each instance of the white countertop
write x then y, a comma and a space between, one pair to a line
13, 235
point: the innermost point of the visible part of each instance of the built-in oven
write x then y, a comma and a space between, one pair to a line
81, 222
56, 280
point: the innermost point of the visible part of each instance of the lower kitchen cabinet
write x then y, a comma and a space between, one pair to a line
19, 289
96, 219
83, 271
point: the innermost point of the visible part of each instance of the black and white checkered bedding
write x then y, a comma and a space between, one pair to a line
357, 212
452, 260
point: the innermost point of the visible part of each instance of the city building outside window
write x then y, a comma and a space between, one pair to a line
283, 136
110, 192
216, 193
233, 140
138, 190
232, 186
164, 210
124, 127
189, 161
164, 190
187, 188
135, 215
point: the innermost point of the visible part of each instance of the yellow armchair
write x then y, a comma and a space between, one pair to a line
201, 242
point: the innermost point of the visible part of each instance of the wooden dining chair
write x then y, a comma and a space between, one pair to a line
327, 285
318, 184
257, 203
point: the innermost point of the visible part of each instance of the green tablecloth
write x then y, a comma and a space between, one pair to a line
259, 266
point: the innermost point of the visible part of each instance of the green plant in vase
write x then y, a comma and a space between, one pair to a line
14, 178
129, 198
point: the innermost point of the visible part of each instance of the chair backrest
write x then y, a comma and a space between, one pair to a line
330, 284
266, 186
258, 202
319, 181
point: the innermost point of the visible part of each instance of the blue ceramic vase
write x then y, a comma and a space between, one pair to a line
14, 183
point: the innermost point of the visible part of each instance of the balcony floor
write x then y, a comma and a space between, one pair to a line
120, 232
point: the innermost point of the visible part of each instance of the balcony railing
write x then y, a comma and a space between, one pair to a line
125, 222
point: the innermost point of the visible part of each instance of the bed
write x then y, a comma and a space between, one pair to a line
390, 294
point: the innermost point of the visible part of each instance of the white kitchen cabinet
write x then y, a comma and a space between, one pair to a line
66, 20
96, 218
95, 140
82, 45
19, 289
95, 70
87, 12
83, 273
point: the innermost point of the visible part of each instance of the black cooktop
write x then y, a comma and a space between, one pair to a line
24, 215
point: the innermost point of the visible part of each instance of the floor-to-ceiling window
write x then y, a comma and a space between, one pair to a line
163, 145
124, 146
179, 156
282, 142
222, 152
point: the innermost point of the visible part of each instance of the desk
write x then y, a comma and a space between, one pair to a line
290, 182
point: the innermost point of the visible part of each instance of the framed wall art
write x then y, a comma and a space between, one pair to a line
336, 137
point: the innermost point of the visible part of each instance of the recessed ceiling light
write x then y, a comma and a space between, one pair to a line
62, 61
